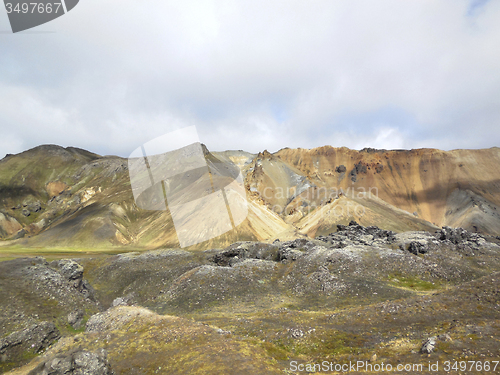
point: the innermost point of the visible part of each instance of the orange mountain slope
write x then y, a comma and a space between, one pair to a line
54, 196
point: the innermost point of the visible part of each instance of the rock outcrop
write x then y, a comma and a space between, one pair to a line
355, 234
459, 236
291, 250
73, 272
79, 362
35, 297
33, 339
245, 250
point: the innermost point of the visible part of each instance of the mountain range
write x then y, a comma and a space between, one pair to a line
55, 196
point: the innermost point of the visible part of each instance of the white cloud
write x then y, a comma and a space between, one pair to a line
256, 74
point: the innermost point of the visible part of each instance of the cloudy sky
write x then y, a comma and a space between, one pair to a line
254, 75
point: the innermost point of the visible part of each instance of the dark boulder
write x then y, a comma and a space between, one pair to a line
416, 248
466, 242
78, 362
353, 175
457, 235
360, 168
454, 235
341, 169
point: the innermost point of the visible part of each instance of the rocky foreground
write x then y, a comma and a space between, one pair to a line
361, 293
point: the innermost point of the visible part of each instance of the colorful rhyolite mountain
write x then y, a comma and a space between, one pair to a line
55, 196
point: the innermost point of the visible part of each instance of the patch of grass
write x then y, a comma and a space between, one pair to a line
473, 337
28, 355
72, 331
443, 347
290, 306
413, 282
278, 353
326, 345
338, 343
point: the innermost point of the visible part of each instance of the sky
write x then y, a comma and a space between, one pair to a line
112, 75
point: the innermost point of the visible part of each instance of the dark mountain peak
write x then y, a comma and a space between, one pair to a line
56, 151
205, 149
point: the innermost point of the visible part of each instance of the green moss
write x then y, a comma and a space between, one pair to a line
275, 351
473, 337
290, 306
443, 347
72, 331
338, 343
413, 282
